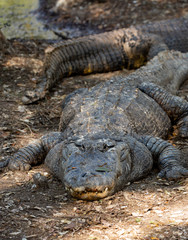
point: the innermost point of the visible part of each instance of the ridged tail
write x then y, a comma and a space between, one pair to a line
96, 53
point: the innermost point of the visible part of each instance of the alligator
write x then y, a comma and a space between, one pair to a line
124, 48
114, 132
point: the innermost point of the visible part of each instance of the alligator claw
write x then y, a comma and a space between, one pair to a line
173, 173
183, 127
4, 163
18, 165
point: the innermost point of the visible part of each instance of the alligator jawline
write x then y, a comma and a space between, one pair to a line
89, 194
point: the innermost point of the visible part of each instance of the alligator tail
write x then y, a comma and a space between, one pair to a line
96, 53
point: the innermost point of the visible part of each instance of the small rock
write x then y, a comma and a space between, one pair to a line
5, 86
136, 214
5, 115
159, 190
34, 80
98, 208
21, 109
40, 181
25, 100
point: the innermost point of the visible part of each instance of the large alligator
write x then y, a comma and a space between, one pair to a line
123, 48
111, 134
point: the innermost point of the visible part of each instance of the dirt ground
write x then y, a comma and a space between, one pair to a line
147, 209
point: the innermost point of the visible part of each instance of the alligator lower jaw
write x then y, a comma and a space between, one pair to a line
90, 195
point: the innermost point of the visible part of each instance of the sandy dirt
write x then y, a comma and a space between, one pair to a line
147, 209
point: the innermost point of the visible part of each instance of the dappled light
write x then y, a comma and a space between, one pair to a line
21, 62
147, 209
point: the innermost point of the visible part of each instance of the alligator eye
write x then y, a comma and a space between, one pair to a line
105, 147
80, 146
102, 147
83, 147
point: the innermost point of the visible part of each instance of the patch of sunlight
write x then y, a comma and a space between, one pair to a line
24, 62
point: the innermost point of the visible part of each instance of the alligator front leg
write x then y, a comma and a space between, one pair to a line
34, 153
175, 107
167, 156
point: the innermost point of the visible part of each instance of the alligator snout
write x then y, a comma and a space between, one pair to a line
90, 185
90, 181
92, 168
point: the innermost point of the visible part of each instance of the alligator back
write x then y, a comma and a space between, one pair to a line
116, 109
174, 32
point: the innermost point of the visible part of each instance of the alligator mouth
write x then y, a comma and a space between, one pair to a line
89, 194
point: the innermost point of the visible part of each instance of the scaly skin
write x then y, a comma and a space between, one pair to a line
110, 134
123, 48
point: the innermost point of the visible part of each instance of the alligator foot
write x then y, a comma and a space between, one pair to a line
182, 127
4, 163
168, 156
19, 165
34, 153
173, 173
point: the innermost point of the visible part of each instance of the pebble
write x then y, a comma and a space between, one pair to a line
21, 109
40, 180
25, 100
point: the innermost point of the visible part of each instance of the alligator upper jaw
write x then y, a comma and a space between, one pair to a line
89, 194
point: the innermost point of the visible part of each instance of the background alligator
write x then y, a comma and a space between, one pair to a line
123, 48
110, 135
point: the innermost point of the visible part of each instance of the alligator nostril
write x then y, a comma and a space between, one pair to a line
88, 174
84, 174
83, 147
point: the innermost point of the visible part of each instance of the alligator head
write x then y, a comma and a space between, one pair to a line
92, 169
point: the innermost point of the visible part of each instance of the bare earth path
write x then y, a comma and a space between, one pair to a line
148, 209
